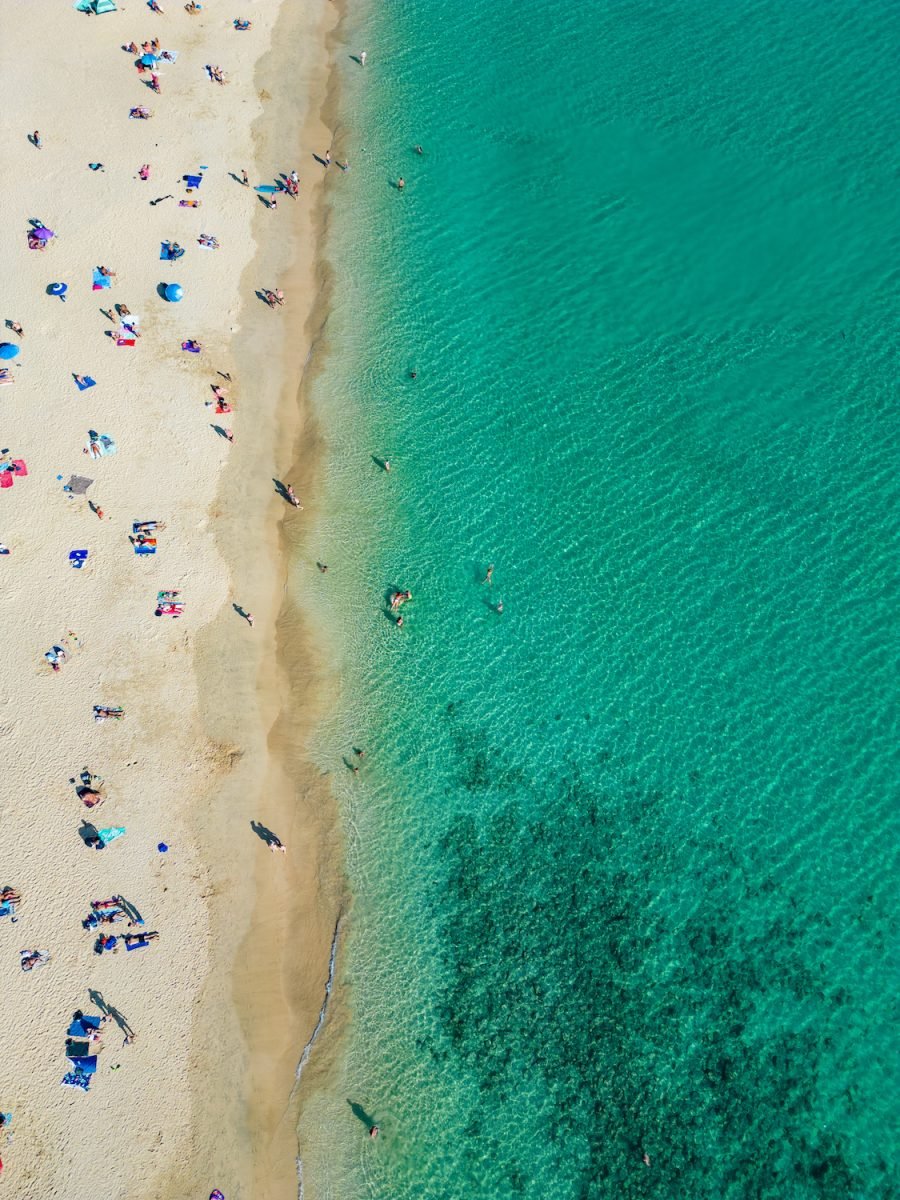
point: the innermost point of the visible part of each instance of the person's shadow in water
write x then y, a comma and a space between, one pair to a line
361, 1115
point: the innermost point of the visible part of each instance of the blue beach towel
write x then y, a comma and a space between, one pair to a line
77, 558
82, 1025
88, 383
166, 254
76, 1079
192, 181
101, 281
109, 835
87, 1066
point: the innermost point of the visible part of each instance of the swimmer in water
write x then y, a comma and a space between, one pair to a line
489, 577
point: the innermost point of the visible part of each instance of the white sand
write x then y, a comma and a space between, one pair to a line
136, 1133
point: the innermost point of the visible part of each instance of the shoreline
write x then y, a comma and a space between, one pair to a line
276, 987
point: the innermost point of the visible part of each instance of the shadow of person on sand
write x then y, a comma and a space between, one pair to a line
263, 832
109, 1011
281, 489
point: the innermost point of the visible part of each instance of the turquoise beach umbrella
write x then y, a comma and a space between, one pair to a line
8, 350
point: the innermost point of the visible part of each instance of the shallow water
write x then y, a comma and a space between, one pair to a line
623, 854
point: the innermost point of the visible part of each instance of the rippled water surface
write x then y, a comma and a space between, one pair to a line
623, 854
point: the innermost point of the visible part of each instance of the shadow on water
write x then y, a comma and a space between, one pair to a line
361, 1115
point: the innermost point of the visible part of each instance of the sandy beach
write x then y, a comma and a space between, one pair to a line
193, 1086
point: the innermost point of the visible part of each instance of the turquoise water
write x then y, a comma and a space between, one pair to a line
623, 855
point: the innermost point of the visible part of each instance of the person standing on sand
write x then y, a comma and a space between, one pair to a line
362, 58
245, 179
292, 496
36, 140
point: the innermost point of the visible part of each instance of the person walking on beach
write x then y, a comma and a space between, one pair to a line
327, 158
362, 58
292, 496
36, 140
249, 618
245, 179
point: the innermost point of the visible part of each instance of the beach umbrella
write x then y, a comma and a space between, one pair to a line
42, 233
174, 292
8, 350
58, 289
149, 60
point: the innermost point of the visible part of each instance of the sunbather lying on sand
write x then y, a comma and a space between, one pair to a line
33, 958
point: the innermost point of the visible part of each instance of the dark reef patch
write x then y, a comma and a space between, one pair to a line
663, 991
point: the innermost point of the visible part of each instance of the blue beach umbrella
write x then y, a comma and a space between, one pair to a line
174, 292
8, 350
58, 289
149, 60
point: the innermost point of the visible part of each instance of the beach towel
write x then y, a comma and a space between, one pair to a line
136, 945
19, 466
7, 908
75, 1079
5, 377
109, 835
108, 712
147, 546
124, 341
101, 445
190, 349
77, 558
6, 479
82, 1025
192, 181
189, 203
87, 1065
86, 383
78, 484
168, 56
167, 254
101, 281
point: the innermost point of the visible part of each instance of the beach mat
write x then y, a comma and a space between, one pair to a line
124, 341
101, 281
6, 479
88, 383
